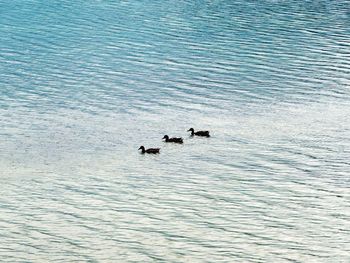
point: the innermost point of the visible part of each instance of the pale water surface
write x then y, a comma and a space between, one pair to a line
84, 83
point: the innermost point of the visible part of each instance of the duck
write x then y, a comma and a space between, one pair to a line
199, 133
150, 150
174, 139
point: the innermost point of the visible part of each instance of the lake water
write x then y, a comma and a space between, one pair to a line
84, 83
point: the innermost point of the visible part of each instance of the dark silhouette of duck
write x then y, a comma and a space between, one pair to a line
150, 150
199, 133
174, 139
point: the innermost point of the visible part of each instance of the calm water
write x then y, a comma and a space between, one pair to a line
84, 83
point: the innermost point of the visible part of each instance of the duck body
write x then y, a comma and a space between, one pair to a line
174, 139
199, 133
149, 151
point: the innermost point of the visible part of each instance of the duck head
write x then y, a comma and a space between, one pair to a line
142, 148
166, 137
191, 130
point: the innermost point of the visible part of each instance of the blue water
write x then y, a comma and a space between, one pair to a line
84, 83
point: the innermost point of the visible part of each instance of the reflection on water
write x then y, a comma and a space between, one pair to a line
84, 84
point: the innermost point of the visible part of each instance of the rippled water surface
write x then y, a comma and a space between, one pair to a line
84, 83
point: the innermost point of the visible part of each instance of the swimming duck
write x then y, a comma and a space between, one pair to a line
150, 150
199, 133
174, 139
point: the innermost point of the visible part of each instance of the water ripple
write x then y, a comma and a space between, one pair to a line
85, 83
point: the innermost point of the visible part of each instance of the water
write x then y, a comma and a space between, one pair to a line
85, 83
